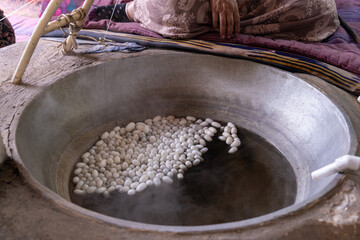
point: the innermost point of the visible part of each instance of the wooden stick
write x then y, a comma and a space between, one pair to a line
34, 39
43, 27
63, 22
70, 41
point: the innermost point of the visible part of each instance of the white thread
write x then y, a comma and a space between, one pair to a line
16, 10
112, 14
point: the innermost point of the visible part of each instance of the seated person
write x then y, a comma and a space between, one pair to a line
7, 35
286, 19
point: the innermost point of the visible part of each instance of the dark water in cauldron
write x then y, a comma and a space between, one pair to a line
254, 181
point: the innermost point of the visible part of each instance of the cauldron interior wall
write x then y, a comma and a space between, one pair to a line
300, 121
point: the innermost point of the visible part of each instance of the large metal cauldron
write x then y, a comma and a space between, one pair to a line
296, 118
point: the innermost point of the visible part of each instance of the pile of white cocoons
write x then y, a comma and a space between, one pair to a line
131, 158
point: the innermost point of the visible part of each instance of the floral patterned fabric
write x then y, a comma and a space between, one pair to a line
7, 35
310, 20
174, 18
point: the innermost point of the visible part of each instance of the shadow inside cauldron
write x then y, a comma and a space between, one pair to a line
254, 181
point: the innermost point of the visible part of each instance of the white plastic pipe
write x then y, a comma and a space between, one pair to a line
34, 39
341, 164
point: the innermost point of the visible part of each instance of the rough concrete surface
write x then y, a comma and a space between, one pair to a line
27, 213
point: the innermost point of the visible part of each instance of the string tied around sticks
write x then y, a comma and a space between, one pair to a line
74, 29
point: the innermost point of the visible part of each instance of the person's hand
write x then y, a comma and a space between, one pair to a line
226, 14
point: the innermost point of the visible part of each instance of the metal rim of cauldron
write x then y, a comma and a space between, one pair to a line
76, 210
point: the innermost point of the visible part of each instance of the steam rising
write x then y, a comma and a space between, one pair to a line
224, 188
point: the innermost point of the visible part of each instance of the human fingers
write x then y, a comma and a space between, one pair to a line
215, 18
223, 18
229, 24
236, 22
